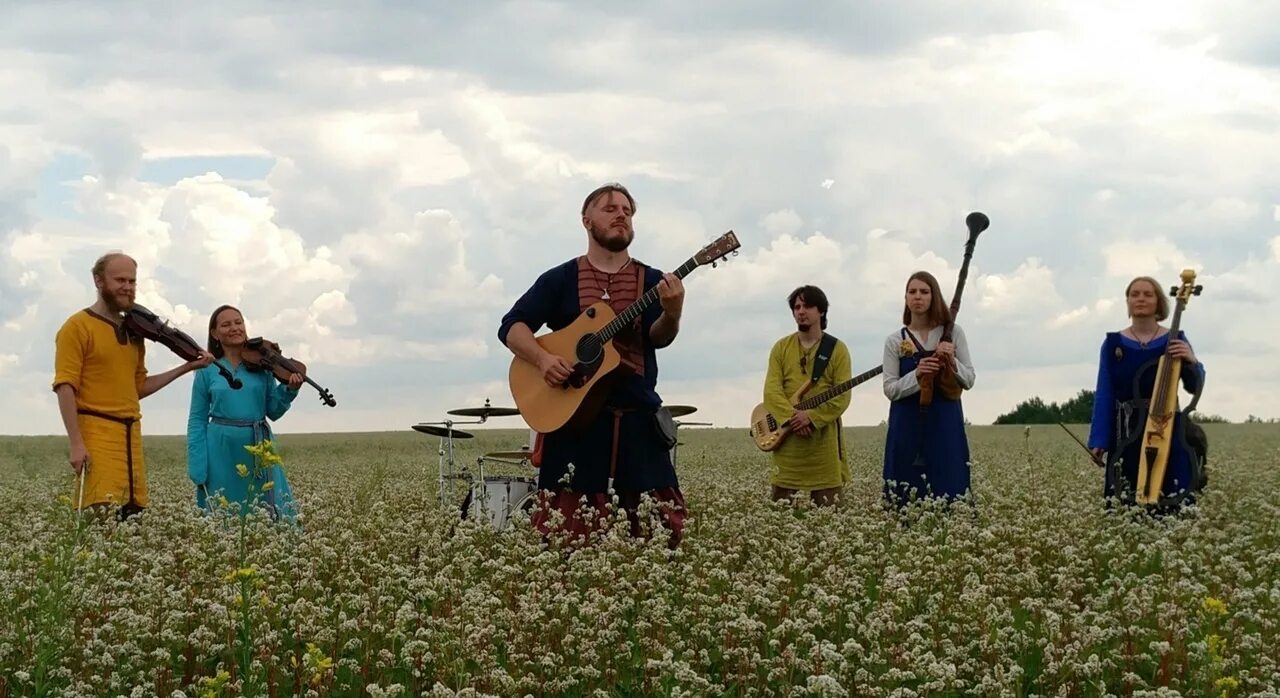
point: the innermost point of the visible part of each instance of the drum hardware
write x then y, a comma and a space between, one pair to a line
448, 466
498, 498
680, 411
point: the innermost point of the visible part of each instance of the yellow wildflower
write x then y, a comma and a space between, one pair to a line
267, 487
242, 469
1214, 607
908, 348
1226, 684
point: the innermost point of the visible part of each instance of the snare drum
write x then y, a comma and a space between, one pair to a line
498, 497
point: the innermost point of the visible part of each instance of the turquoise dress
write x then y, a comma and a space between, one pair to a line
221, 423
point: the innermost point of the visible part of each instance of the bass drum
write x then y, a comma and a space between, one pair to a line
497, 498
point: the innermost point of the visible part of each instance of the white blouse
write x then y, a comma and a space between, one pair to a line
897, 387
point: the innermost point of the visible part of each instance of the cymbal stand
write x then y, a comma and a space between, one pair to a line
450, 473
676, 449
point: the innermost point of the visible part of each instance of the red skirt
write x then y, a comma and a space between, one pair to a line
577, 515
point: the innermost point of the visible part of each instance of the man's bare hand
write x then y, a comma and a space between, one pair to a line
555, 370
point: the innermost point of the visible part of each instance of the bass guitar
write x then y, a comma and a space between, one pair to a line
769, 434
587, 344
1157, 436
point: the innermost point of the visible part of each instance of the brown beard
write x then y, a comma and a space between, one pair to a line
804, 327
611, 244
109, 300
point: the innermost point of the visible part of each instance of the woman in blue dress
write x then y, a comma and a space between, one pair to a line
1126, 378
223, 421
926, 452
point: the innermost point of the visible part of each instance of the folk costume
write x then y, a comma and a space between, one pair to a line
813, 462
625, 441
106, 368
925, 451
222, 421
1126, 379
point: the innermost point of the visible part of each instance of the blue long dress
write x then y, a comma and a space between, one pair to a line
222, 421
1126, 379
926, 454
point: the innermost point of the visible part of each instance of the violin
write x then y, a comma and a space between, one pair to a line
142, 323
946, 376
1157, 435
261, 354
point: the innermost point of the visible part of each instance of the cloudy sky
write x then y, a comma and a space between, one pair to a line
374, 183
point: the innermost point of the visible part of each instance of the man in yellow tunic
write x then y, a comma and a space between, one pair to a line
99, 378
812, 458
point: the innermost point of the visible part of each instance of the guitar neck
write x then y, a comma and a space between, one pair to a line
838, 389
633, 311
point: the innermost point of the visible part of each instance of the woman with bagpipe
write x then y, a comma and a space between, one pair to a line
224, 420
1127, 377
926, 451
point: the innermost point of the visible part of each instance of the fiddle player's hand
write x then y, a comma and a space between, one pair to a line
79, 457
205, 359
1179, 349
555, 370
295, 381
1098, 454
671, 295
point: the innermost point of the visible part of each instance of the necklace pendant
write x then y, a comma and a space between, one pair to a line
605, 297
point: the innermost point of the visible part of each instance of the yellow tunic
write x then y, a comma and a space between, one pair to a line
106, 376
816, 461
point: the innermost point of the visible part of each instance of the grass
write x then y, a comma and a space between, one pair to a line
1030, 588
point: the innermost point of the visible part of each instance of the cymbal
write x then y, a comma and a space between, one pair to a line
681, 410
522, 453
440, 431
485, 412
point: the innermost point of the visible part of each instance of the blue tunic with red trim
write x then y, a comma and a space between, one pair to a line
580, 459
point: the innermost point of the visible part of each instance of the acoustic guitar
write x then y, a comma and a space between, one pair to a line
587, 344
769, 434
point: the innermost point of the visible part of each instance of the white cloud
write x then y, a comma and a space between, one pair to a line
415, 189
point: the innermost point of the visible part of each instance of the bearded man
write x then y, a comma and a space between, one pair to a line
99, 377
623, 448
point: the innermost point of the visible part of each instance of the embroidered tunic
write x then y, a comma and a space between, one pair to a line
575, 463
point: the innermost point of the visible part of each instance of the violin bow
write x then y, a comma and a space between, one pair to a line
1092, 456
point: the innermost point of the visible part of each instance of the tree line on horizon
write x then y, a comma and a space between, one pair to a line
1079, 410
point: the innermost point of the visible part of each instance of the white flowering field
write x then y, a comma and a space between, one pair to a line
1033, 588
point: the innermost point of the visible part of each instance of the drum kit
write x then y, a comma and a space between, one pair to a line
496, 498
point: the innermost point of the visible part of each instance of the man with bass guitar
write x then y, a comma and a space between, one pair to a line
808, 360
626, 444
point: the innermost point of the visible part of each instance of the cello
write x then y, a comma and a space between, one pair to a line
261, 354
144, 324
946, 377
1157, 434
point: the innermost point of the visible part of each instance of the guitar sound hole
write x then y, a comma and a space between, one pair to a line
590, 350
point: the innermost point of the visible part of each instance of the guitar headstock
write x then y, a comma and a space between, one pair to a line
722, 247
1187, 288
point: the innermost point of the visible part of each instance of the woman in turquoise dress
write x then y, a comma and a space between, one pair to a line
223, 421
